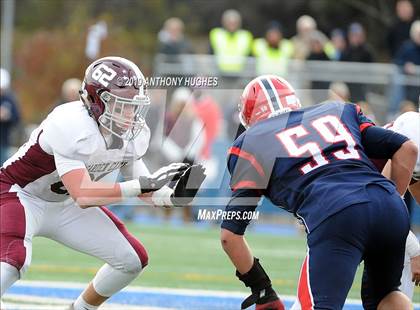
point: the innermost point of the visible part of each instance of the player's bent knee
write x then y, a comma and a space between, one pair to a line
134, 259
131, 262
395, 300
13, 252
140, 252
227, 238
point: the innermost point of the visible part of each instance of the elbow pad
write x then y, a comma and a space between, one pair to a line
381, 143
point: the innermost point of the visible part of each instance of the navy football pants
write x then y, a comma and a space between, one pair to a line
374, 232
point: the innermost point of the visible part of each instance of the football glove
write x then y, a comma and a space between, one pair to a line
263, 294
162, 176
187, 186
181, 191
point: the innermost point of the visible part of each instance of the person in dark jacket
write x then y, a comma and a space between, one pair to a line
399, 32
317, 52
357, 51
408, 57
9, 114
172, 41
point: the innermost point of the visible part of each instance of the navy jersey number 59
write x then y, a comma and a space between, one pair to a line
331, 130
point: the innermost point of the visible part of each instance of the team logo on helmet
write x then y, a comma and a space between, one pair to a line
114, 92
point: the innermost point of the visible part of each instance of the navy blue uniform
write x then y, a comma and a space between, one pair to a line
315, 164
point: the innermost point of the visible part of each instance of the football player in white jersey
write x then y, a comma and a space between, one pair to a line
408, 124
51, 187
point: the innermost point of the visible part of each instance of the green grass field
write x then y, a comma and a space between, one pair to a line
183, 257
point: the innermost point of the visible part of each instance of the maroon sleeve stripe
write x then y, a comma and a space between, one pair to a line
34, 164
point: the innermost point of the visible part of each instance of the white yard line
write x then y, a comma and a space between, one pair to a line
144, 289
14, 302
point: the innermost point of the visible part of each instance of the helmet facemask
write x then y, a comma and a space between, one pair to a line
124, 117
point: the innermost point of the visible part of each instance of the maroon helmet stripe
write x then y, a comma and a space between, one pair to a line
34, 164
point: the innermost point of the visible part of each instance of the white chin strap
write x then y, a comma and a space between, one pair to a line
241, 119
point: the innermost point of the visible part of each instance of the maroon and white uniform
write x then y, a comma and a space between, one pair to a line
34, 201
408, 124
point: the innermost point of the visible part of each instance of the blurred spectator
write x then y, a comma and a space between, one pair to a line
184, 134
316, 47
230, 44
210, 115
9, 114
357, 51
316, 52
399, 32
408, 57
407, 106
272, 52
96, 33
367, 110
172, 41
305, 25
183, 128
70, 91
339, 91
338, 40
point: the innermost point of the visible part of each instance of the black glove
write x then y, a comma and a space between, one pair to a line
262, 292
187, 186
162, 176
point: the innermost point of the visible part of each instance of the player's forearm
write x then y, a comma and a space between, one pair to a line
402, 165
88, 193
92, 194
238, 250
97, 194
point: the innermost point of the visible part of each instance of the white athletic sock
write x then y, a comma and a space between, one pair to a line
81, 304
109, 281
9, 275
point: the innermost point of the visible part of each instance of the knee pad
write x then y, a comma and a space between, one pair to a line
131, 259
13, 252
131, 263
109, 280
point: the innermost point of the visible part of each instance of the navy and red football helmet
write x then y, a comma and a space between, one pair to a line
265, 97
114, 92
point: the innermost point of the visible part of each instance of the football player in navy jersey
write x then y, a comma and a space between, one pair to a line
314, 162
